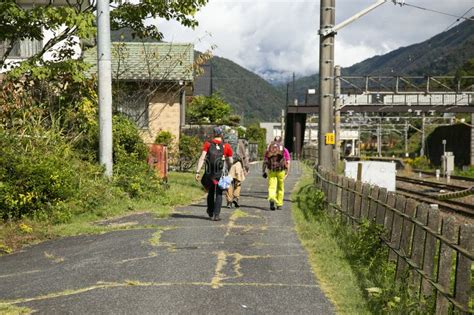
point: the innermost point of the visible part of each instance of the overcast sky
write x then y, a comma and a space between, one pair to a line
281, 36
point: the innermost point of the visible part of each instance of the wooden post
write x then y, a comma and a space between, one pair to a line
450, 230
406, 237
359, 172
364, 209
419, 236
397, 226
434, 223
389, 215
373, 203
351, 199
380, 213
463, 286
358, 199
345, 197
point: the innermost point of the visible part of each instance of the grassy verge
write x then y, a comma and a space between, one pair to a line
351, 265
182, 190
328, 261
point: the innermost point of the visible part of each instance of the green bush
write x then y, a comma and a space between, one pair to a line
165, 138
189, 152
469, 172
420, 163
38, 174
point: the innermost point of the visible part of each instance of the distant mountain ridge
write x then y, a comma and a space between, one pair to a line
442, 54
250, 95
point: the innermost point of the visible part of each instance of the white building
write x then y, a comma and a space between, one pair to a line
26, 48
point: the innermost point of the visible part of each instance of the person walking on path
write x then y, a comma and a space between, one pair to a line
277, 161
214, 154
238, 171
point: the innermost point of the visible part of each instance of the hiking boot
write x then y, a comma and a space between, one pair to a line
236, 204
279, 207
209, 213
272, 205
216, 218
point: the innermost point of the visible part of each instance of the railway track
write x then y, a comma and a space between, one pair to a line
432, 196
441, 186
467, 179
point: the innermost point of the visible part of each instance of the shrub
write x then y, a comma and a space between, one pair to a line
421, 163
38, 174
189, 152
165, 138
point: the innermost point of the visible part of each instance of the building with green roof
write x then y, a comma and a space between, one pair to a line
150, 83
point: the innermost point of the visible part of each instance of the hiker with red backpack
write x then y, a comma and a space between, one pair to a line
214, 155
277, 161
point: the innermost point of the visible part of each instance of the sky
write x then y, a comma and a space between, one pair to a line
275, 38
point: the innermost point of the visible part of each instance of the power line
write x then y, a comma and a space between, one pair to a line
435, 11
457, 20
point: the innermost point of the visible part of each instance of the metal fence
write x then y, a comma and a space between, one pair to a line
436, 250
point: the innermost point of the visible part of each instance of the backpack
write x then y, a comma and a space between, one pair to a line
275, 156
215, 160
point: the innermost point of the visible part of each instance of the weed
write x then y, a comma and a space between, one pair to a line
357, 258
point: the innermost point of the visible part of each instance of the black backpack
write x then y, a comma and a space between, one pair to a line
214, 160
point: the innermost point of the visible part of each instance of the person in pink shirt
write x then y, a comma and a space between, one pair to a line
277, 161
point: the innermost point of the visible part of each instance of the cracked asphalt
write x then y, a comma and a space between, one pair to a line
250, 262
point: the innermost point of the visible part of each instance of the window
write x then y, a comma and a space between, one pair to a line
133, 102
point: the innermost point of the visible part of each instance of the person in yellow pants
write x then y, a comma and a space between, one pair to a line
277, 161
276, 188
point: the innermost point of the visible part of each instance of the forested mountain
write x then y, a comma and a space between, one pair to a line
440, 55
249, 95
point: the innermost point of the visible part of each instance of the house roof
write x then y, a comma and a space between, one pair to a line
132, 61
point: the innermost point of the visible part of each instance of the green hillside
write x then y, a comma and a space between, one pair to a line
440, 55
250, 95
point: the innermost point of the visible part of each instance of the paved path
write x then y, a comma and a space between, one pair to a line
250, 262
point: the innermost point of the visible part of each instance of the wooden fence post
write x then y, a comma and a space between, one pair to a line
434, 222
406, 237
380, 212
450, 230
389, 215
397, 226
351, 199
358, 199
373, 203
330, 192
364, 209
463, 286
345, 197
419, 236
339, 190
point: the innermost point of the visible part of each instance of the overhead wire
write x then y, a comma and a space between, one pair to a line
435, 11
458, 19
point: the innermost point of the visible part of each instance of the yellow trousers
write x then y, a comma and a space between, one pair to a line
276, 186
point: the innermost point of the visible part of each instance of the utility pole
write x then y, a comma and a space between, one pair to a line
105, 86
326, 68
422, 151
379, 138
327, 33
283, 126
406, 138
337, 117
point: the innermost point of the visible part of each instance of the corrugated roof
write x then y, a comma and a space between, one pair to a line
148, 61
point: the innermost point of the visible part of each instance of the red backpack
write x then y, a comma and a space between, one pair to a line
275, 157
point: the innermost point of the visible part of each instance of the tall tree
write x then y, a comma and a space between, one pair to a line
72, 19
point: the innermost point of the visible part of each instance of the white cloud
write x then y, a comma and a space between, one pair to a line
268, 36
